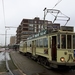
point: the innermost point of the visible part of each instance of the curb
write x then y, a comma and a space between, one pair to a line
16, 65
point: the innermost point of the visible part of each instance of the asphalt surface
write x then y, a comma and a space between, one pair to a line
15, 72
29, 67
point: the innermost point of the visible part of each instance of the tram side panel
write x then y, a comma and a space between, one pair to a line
33, 48
29, 48
42, 47
68, 56
25, 47
42, 52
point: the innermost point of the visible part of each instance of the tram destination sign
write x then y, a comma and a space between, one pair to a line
67, 28
38, 34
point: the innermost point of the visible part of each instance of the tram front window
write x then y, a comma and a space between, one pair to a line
69, 42
73, 41
58, 41
63, 41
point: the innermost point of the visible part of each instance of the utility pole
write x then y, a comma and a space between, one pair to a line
44, 17
6, 33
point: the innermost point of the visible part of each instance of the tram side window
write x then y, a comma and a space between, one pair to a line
37, 43
21, 45
73, 41
69, 41
63, 41
28, 44
25, 44
41, 42
45, 41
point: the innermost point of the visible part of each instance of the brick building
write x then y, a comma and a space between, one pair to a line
32, 26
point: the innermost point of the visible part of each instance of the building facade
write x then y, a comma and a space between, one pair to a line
18, 35
32, 26
12, 40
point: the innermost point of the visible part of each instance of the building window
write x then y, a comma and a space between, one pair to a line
35, 21
45, 26
39, 30
35, 29
39, 26
39, 22
35, 26
31, 25
30, 21
45, 22
42, 26
30, 28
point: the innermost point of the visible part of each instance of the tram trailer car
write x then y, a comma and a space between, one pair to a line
53, 49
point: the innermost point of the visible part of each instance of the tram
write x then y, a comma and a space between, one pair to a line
52, 48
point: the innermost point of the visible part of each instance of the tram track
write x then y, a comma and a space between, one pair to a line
7, 66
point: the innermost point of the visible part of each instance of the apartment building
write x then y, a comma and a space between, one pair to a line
29, 27
18, 35
12, 40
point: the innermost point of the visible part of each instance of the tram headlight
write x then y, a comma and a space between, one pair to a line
74, 60
62, 59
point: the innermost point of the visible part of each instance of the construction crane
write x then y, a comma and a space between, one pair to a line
10, 27
7, 34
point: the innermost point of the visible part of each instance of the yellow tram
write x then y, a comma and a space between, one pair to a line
52, 48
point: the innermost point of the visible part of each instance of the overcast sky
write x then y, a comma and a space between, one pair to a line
16, 10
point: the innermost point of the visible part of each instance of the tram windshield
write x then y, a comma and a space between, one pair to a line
73, 41
66, 41
63, 41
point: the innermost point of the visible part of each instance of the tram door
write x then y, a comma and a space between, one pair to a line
53, 48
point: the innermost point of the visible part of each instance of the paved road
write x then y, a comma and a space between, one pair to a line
30, 67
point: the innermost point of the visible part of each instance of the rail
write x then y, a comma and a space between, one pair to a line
7, 66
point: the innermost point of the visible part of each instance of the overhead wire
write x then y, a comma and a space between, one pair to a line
57, 3
3, 12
